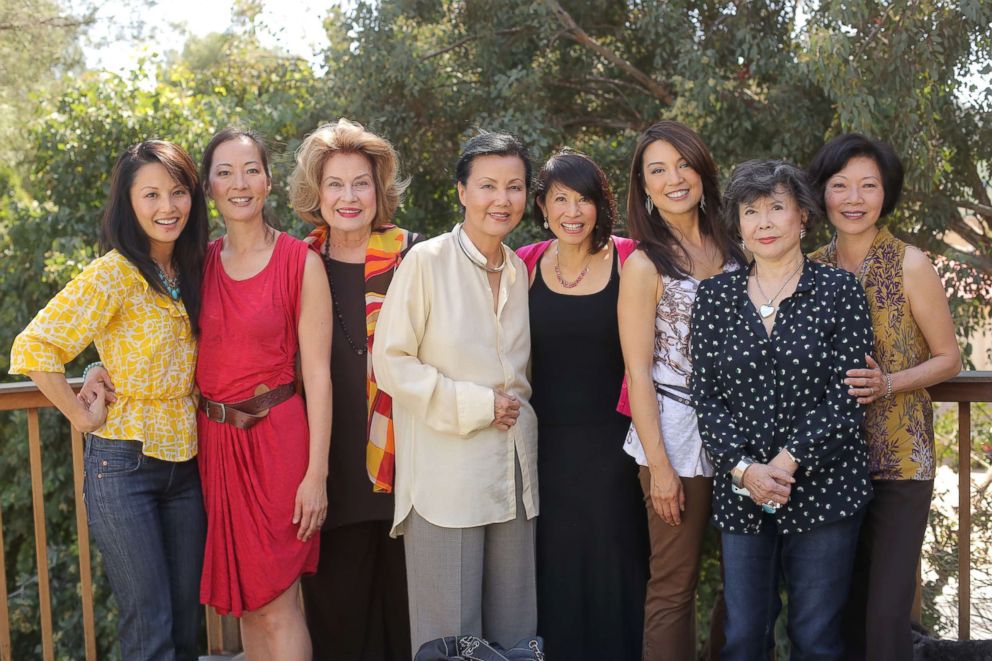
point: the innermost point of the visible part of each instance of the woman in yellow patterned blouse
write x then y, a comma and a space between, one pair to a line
860, 180
139, 304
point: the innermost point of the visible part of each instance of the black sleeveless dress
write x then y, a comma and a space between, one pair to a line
592, 542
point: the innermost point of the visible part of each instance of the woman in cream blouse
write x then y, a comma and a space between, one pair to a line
452, 346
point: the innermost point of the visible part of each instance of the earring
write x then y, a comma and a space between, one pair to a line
546, 226
802, 233
648, 204
702, 204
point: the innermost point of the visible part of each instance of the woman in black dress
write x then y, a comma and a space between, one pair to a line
346, 183
592, 546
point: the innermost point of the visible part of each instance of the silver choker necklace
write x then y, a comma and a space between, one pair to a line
482, 265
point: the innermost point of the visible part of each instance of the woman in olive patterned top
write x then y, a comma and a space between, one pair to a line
859, 181
770, 348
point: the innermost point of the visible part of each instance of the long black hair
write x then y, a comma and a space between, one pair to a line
653, 234
120, 229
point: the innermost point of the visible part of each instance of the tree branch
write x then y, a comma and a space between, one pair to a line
603, 122
57, 22
980, 209
465, 40
979, 241
658, 90
978, 261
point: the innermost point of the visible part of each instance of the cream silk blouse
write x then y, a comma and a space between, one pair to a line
439, 351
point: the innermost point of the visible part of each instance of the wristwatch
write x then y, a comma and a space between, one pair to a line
737, 473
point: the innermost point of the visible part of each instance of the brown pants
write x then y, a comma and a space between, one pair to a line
877, 619
670, 605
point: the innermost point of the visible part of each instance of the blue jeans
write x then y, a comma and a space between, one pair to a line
146, 517
816, 567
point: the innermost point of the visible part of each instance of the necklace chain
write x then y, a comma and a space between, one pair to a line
359, 349
171, 283
562, 281
768, 307
862, 269
482, 265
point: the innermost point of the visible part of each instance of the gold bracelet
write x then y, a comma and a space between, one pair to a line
790, 456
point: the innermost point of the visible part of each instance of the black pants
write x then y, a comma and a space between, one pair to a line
356, 603
884, 582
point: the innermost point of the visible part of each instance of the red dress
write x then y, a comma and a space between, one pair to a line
250, 476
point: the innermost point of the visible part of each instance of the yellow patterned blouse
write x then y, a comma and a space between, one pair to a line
144, 340
900, 429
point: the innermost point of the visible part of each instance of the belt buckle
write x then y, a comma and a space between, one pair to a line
223, 412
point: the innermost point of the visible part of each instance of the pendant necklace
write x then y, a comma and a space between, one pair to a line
482, 265
768, 309
359, 349
562, 281
862, 270
171, 284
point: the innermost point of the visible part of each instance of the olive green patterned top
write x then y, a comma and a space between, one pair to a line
900, 429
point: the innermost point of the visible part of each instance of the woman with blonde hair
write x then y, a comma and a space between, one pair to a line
346, 183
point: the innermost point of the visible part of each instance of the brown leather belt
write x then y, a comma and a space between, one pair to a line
247, 412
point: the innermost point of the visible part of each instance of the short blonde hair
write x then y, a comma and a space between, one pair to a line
345, 137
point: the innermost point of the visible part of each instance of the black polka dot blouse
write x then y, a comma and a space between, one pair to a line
756, 395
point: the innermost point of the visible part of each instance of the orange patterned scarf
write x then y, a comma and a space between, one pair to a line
386, 248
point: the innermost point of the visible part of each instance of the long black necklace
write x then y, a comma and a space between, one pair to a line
359, 349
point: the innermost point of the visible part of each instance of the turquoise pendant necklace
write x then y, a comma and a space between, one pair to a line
171, 284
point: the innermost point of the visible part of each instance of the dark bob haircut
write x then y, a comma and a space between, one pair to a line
834, 155
653, 234
491, 144
226, 135
120, 229
752, 180
571, 169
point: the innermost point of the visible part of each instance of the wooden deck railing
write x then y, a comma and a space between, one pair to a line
964, 389
26, 396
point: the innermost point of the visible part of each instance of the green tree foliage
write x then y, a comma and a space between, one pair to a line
38, 48
48, 233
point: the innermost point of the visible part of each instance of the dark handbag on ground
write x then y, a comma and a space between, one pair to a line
473, 648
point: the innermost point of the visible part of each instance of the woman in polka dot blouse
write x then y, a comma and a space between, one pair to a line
771, 345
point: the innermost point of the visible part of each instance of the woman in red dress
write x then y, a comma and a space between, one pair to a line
263, 454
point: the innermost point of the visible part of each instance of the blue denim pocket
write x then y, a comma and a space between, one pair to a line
109, 458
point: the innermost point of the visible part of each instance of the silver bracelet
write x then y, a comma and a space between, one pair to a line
888, 386
737, 473
87, 369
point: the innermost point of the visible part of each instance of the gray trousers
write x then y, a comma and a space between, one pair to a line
478, 581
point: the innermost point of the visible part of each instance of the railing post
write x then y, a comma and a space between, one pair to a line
83, 544
964, 520
40, 536
5, 651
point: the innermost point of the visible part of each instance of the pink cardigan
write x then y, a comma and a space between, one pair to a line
531, 254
